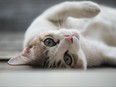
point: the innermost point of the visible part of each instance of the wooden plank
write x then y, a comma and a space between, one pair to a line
10, 44
8, 54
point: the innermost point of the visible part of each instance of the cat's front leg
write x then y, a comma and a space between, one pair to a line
83, 9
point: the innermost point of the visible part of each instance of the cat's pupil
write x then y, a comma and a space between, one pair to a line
49, 42
67, 59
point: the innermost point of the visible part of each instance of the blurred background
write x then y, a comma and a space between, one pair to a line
17, 15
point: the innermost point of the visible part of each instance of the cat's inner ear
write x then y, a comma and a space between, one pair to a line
22, 58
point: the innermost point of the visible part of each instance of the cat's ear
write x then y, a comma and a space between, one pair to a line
22, 58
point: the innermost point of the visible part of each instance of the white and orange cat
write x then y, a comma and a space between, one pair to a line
71, 35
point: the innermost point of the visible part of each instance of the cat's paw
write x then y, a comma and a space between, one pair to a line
82, 9
91, 8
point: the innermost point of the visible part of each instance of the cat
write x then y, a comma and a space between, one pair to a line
72, 34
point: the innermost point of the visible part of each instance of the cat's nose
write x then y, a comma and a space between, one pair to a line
69, 38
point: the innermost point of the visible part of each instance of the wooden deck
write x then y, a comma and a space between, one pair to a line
10, 44
57, 78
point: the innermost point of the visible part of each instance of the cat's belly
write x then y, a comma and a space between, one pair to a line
100, 28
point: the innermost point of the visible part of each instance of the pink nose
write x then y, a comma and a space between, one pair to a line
69, 38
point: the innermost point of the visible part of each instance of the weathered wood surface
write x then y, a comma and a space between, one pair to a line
10, 44
57, 78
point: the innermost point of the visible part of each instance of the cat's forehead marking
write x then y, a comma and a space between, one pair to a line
41, 51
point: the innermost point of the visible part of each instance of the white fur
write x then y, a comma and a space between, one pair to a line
101, 28
98, 33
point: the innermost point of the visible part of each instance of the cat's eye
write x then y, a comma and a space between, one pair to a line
67, 58
49, 42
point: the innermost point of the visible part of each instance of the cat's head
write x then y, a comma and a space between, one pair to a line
53, 49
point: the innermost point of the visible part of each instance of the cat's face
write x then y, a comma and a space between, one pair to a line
57, 49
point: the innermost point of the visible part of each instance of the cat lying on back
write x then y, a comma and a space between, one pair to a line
70, 35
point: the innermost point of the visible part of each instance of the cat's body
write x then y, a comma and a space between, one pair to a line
71, 34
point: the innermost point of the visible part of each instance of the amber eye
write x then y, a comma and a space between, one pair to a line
67, 58
49, 42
